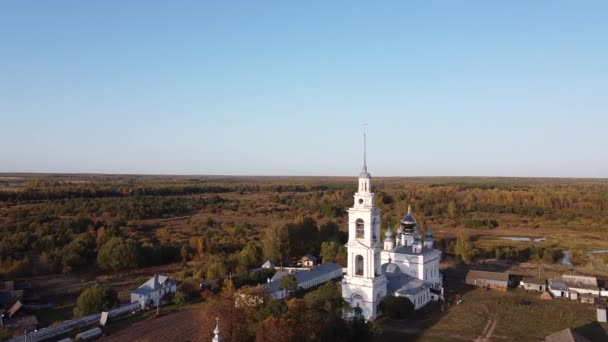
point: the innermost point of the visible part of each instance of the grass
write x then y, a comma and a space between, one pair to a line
524, 317
520, 316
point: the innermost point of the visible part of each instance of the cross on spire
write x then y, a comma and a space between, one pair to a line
364, 148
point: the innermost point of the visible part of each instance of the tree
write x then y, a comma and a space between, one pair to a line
452, 211
118, 254
95, 299
184, 253
276, 329
288, 282
464, 249
274, 307
180, 298
275, 243
329, 251
79, 252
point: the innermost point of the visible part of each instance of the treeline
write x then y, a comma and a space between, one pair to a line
57, 191
45, 244
139, 207
464, 249
65, 192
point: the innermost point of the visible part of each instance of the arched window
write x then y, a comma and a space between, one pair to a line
360, 233
359, 265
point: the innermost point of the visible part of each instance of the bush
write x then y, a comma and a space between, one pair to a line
95, 299
180, 298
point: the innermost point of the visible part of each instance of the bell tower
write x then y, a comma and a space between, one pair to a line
364, 286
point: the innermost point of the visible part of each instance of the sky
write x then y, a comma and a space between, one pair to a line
447, 88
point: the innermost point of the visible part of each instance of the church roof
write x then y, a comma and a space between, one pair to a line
401, 283
410, 251
408, 219
428, 232
365, 174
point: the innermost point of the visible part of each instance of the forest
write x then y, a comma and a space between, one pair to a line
217, 225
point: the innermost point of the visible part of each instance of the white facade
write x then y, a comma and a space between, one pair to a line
404, 266
151, 292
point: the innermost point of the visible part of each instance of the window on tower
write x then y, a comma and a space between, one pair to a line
359, 265
360, 231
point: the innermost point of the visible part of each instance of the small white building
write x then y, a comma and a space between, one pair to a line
558, 289
582, 284
150, 293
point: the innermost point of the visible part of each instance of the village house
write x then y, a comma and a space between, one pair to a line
575, 287
268, 265
588, 298
533, 284
558, 289
308, 261
582, 284
150, 293
566, 335
492, 280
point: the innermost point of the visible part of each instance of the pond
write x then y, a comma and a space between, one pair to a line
525, 239
566, 259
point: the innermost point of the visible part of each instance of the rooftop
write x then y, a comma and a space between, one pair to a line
499, 276
303, 275
567, 335
534, 280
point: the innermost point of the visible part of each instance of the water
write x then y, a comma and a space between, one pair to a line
524, 239
597, 251
566, 259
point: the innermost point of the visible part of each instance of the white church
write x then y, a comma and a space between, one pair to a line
403, 265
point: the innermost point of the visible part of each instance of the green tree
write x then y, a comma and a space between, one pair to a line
288, 282
329, 251
118, 254
95, 299
275, 243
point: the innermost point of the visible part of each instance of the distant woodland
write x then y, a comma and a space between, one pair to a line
221, 225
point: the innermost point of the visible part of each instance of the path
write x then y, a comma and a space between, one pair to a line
488, 330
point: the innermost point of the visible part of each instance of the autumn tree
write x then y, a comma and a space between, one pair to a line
276, 329
464, 249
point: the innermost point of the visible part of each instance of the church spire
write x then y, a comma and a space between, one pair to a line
364, 149
216, 331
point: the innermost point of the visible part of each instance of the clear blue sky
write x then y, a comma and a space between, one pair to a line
506, 88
